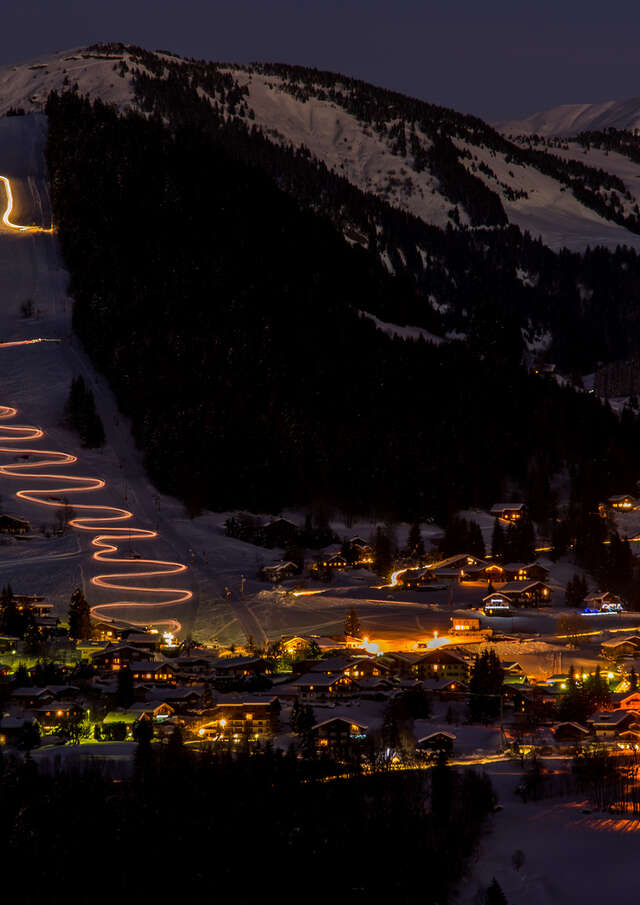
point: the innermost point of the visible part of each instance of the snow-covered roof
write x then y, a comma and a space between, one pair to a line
439, 732
340, 719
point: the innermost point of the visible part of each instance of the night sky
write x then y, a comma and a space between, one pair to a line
498, 58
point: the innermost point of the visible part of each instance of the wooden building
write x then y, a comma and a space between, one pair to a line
436, 743
249, 720
322, 686
570, 733
518, 594
338, 736
512, 512
280, 571
115, 656
519, 571
622, 502
153, 671
14, 526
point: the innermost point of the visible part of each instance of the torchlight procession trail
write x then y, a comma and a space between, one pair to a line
6, 217
106, 543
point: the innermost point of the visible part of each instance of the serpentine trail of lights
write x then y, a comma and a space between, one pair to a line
106, 541
6, 217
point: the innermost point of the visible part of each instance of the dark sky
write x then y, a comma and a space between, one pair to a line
497, 58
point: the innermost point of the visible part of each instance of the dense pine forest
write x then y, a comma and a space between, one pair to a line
227, 319
585, 301
225, 823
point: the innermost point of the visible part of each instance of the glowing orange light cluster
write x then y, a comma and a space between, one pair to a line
106, 543
6, 217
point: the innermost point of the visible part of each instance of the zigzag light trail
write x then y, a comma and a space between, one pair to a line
105, 541
6, 217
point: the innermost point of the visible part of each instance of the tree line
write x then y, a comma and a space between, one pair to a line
229, 329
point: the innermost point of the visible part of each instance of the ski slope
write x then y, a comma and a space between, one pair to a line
354, 150
35, 381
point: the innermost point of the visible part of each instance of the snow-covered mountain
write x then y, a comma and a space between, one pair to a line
570, 119
443, 167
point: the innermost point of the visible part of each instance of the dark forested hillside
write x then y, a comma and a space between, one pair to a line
585, 301
220, 821
226, 317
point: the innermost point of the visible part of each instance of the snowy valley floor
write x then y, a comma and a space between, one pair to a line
571, 858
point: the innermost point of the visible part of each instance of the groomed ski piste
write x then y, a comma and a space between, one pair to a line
126, 523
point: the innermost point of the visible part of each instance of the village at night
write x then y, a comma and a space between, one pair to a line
319, 458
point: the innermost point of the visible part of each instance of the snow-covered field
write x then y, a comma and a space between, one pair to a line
570, 857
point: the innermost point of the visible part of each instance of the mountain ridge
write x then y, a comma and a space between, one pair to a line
570, 119
444, 167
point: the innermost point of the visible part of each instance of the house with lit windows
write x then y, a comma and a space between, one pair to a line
622, 502
483, 571
52, 714
441, 664
518, 594
153, 671
363, 549
331, 561
115, 656
604, 602
12, 728
237, 667
280, 571
511, 512
609, 724
322, 686
338, 736
353, 667
436, 743
249, 720
520, 571
621, 648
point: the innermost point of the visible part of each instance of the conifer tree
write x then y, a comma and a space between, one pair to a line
11, 620
576, 591
81, 414
124, 691
79, 616
383, 553
485, 687
352, 624
415, 543
495, 895
497, 540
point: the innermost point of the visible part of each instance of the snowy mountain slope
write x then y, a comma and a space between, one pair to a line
345, 145
569, 119
550, 211
391, 158
366, 159
27, 85
35, 379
